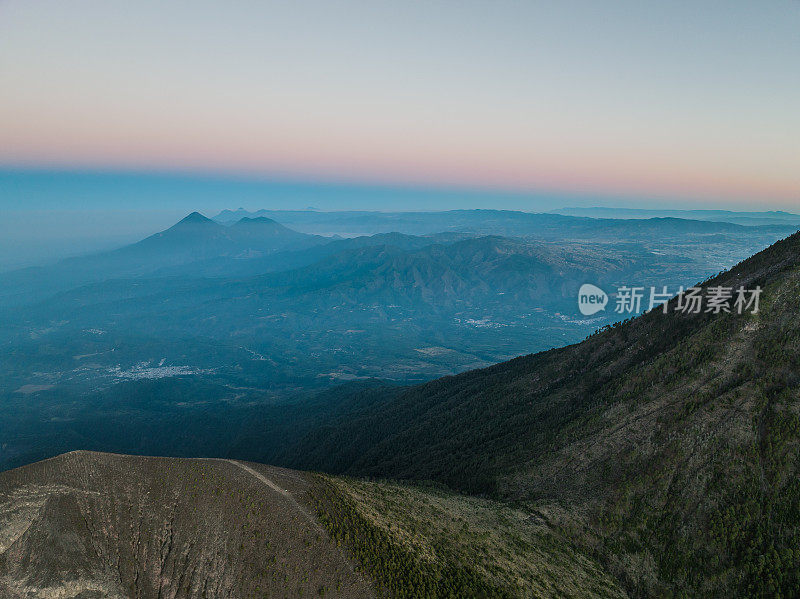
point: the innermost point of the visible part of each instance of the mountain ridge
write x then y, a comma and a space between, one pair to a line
508, 223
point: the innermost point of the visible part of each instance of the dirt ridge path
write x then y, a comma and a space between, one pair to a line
275, 487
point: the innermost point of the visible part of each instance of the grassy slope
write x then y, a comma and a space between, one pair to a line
425, 542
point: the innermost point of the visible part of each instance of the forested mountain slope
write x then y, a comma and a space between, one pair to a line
675, 434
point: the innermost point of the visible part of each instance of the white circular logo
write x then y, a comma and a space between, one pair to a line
591, 299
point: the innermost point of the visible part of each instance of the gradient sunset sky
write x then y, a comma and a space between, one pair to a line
684, 100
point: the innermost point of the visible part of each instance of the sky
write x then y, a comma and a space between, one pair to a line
631, 102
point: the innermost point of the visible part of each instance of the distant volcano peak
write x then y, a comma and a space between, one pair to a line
194, 218
256, 220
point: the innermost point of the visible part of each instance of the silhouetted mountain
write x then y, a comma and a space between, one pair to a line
261, 227
198, 238
232, 216
194, 218
266, 224
193, 239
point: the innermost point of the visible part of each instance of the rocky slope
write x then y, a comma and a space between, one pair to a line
100, 525
89, 525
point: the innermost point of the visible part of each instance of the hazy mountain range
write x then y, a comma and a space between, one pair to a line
617, 224
228, 317
656, 458
773, 217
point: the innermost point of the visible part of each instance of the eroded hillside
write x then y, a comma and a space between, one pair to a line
100, 525
89, 524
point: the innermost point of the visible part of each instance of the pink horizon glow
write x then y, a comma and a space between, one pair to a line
645, 100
